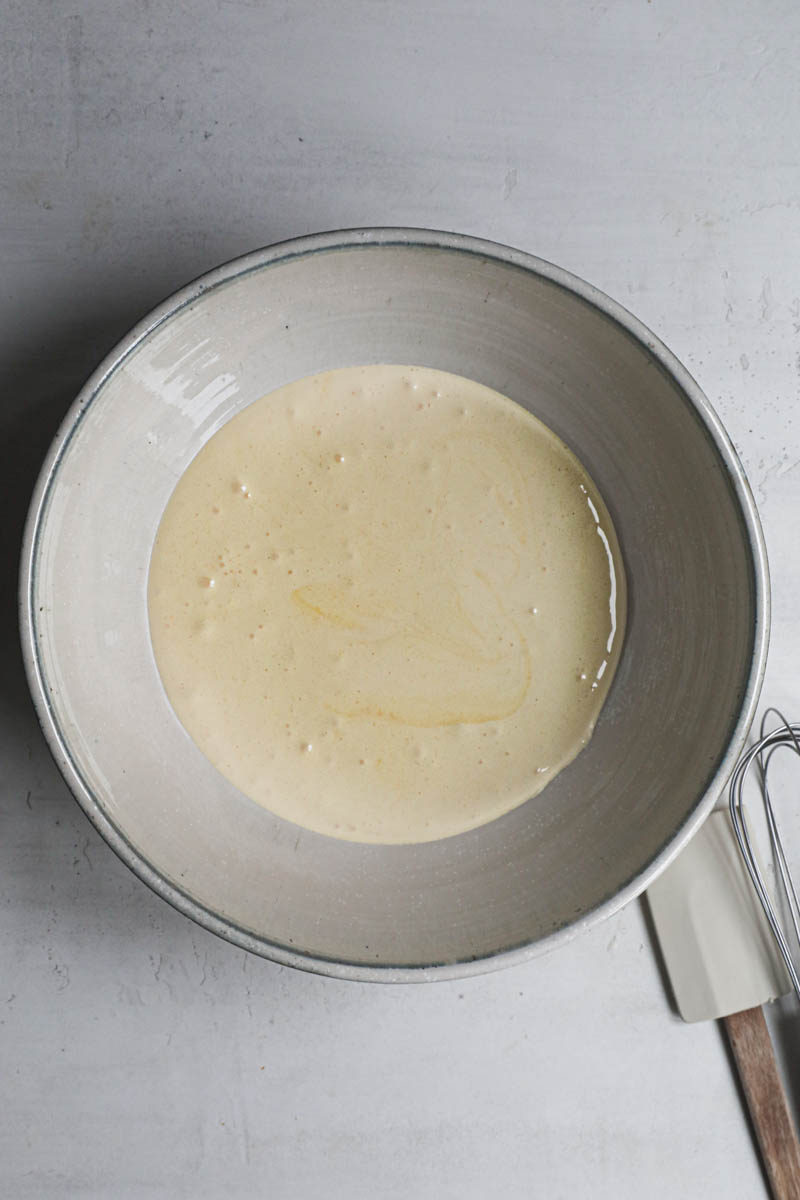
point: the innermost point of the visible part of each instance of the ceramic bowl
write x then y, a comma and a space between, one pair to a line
680, 704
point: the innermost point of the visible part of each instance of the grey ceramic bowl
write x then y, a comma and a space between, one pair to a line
682, 699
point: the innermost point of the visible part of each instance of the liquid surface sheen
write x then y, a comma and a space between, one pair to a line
387, 603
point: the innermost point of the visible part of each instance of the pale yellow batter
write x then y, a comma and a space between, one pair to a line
387, 603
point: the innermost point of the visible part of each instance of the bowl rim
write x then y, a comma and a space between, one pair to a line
377, 237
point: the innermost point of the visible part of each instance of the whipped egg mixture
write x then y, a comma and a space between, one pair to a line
387, 603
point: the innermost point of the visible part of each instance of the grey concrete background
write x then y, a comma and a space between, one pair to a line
651, 148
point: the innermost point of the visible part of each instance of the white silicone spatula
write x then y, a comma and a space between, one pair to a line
722, 964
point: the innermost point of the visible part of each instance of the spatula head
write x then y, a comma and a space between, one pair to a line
717, 945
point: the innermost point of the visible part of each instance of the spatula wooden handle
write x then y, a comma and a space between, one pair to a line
755, 1059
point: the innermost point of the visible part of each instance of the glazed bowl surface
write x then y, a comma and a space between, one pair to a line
682, 699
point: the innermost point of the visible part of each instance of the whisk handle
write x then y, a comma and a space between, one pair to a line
755, 1059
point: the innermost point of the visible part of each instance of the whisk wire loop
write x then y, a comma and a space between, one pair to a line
784, 736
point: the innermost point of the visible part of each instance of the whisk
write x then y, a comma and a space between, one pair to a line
786, 932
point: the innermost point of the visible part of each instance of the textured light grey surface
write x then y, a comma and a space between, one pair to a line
649, 149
